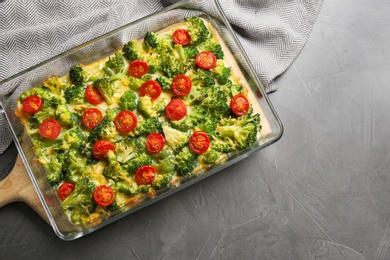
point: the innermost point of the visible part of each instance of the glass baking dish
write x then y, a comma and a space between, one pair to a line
104, 46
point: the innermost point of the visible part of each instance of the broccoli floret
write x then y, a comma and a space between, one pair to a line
208, 125
216, 103
146, 126
114, 171
161, 181
128, 148
54, 169
55, 84
69, 138
196, 95
128, 101
211, 46
151, 108
167, 165
226, 145
113, 206
132, 165
197, 30
64, 116
190, 51
221, 73
210, 156
74, 165
143, 189
114, 65
158, 42
194, 117
164, 82
231, 89
202, 77
176, 139
77, 75
175, 61
242, 131
75, 94
132, 50
105, 130
186, 161
45, 113
106, 88
80, 204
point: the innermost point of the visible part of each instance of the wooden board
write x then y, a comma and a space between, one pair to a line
17, 186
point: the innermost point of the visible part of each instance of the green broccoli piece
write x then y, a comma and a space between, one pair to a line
105, 130
186, 161
128, 101
202, 77
129, 148
231, 89
113, 206
196, 95
161, 181
211, 156
106, 88
143, 189
114, 171
158, 42
216, 103
208, 125
54, 169
69, 139
164, 82
197, 30
77, 75
75, 94
175, 61
146, 126
211, 46
176, 139
242, 131
80, 203
190, 52
115, 64
65, 116
194, 117
43, 93
55, 84
221, 73
45, 113
225, 145
74, 165
151, 108
136, 83
132, 165
132, 50
167, 165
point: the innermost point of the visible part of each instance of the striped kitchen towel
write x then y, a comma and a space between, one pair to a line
273, 33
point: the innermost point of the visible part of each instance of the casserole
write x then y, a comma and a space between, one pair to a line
107, 45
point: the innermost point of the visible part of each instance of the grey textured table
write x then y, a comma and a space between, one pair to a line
321, 192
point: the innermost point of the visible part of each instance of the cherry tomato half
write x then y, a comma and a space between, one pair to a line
206, 60
93, 95
181, 85
138, 68
150, 88
181, 36
239, 105
125, 121
176, 109
32, 104
145, 175
92, 117
101, 148
65, 190
50, 128
104, 195
155, 142
199, 142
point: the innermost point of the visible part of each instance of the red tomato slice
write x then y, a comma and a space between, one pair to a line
92, 117
206, 60
145, 175
239, 105
65, 190
138, 68
32, 104
125, 121
101, 148
181, 36
199, 142
93, 95
104, 195
150, 88
50, 128
181, 85
155, 142
176, 109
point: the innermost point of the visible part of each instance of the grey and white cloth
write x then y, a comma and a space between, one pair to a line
272, 32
